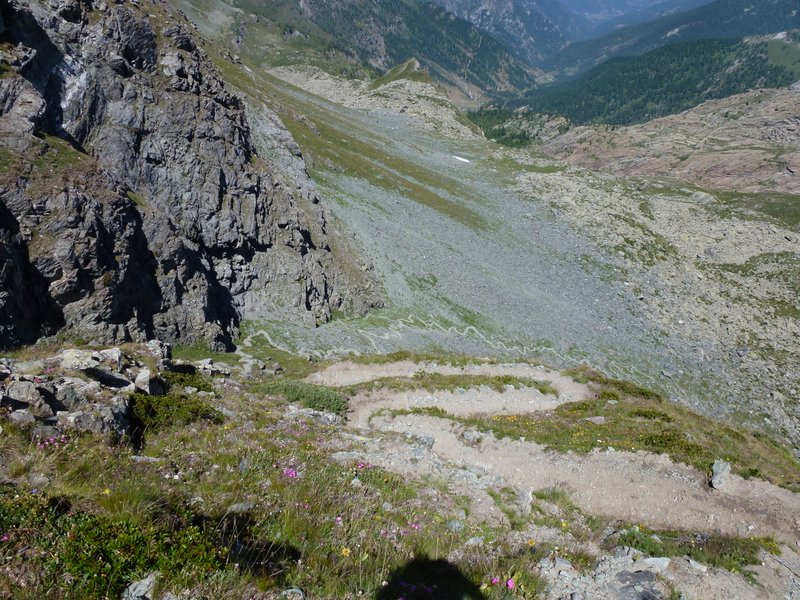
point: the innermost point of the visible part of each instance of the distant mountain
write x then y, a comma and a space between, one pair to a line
671, 79
531, 28
636, 16
368, 37
603, 10
721, 19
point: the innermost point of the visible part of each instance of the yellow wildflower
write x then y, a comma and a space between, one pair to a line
345, 551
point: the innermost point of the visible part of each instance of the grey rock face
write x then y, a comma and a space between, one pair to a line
145, 209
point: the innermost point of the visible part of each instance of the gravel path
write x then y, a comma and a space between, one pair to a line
632, 487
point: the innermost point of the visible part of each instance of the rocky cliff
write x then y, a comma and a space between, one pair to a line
133, 200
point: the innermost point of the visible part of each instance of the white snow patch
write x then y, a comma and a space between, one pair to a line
461, 159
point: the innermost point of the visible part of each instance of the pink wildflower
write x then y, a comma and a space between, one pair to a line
5, 538
290, 473
510, 584
495, 580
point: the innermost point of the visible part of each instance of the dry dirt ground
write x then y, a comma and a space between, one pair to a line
632, 487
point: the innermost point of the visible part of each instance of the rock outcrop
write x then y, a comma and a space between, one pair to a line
133, 200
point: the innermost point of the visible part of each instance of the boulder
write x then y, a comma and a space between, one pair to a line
144, 589
101, 418
78, 360
23, 418
161, 351
70, 393
27, 395
112, 357
656, 564
720, 473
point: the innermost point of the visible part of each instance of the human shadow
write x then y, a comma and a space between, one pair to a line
427, 579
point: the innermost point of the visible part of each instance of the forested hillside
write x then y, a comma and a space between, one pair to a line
669, 80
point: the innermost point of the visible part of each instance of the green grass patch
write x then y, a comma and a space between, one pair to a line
782, 207
455, 360
154, 413
784, 55
731, 553
8, 159
196, 352
101, 554
313, 396
294, 366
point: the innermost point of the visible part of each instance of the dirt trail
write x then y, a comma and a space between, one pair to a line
636, 487
350, 373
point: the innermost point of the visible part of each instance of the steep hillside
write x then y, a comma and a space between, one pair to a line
532, 29
600, 12
671, 79
134, 200
721, 19
364, 37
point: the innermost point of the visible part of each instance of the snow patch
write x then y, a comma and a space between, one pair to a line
464, 160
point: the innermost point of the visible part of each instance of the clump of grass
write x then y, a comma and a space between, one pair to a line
154, 413
558, 496
505, 499
731, 553
178, 380
313, 396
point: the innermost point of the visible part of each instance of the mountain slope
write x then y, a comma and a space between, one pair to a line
531, 28
597, 11
644, 14
361, 37
134, 200
721, 19
747, 145
670, 79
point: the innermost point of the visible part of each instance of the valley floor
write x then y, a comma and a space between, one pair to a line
687, 291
